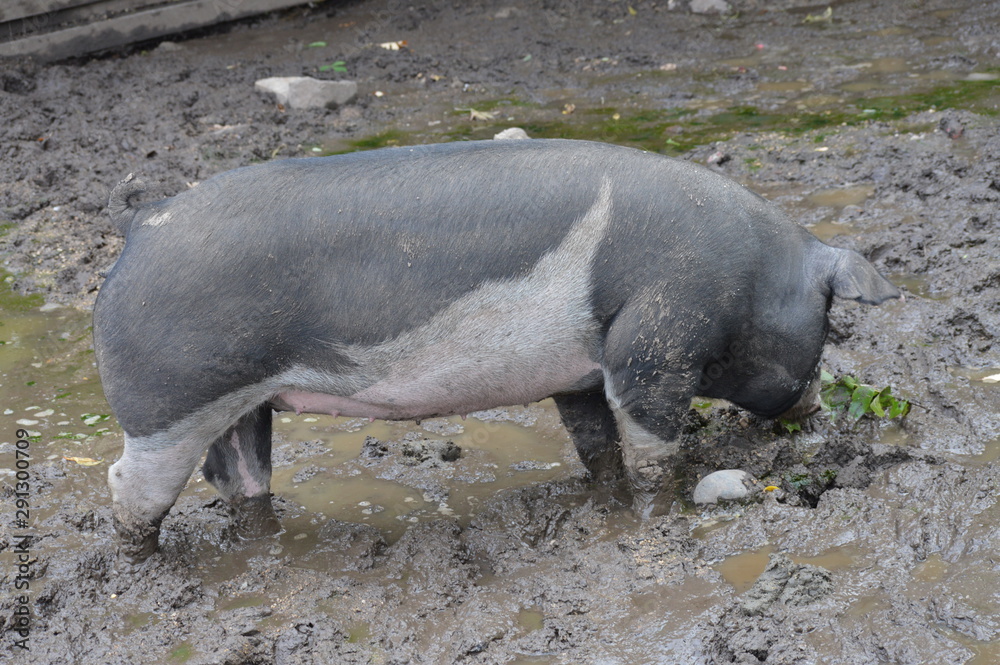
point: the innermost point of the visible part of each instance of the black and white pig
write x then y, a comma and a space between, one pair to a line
414, 282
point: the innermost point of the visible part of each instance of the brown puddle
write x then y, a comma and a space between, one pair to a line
742, 570
987, 376
841, 197
932, 569
866, 605
987, 653
990, 454
350, 492
530, 620
921, 286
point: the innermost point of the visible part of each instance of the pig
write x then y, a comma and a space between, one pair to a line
416, 282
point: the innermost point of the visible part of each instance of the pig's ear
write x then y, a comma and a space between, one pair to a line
854, 278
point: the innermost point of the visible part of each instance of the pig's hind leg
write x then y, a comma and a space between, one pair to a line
238, 465
591, 425
145, 483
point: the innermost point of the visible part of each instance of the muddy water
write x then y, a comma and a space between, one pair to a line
51, 389
495, 456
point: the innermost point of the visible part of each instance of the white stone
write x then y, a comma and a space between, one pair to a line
512, 133
729, 484
305, 92
710, 7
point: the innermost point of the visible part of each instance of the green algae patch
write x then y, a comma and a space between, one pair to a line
182, 653
10, 301
384, 139
675, 131
979, 96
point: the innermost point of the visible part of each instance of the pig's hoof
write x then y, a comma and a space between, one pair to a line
643, 504
136, 543
647, 505
647, 477
254, 518
649, 472
652, 488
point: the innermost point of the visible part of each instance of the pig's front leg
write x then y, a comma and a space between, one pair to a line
239, 466
649, 383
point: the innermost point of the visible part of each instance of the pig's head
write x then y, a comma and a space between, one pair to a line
772, 367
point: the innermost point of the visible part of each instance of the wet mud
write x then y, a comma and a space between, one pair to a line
482, 541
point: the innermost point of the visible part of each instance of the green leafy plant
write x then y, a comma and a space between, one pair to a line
92, 419
790, 426
338, 66
847, 394
798, 480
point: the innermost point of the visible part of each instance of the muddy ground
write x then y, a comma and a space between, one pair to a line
876, 126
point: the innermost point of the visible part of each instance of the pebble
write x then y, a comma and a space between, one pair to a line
710, 7
511, 133
305, 92
728, 484
951, 127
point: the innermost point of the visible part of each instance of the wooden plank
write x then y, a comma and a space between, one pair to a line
136, 26
66, 13
12, 10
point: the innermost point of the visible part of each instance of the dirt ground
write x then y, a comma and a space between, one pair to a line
876, 126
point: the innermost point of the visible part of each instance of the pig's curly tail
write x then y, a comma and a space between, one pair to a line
120, 202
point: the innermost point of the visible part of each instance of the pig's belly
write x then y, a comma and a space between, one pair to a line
505, 342
456, 386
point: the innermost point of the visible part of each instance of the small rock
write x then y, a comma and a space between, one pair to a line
718, 158
305, 92
710, 7
951, 127
512, 133
730, 484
